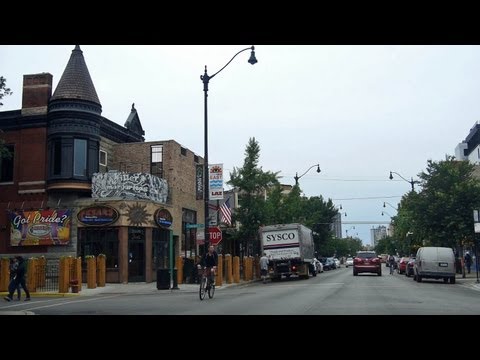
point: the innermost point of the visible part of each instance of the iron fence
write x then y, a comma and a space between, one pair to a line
47, 277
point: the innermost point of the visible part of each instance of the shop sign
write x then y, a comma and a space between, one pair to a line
163, 218
98, 215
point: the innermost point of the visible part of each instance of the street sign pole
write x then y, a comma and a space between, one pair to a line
476, 227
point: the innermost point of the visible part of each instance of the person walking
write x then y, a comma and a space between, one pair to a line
264, 267
19, 280
13, 273
468, 261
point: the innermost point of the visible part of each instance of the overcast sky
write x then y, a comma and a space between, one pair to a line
358, 111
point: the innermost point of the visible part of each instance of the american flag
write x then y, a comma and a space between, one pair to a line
226, 212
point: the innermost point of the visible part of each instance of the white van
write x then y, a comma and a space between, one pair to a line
434, 263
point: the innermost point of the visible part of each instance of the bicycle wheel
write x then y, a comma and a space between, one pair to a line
203, 285
211, 290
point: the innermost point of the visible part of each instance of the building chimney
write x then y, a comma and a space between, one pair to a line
37, 90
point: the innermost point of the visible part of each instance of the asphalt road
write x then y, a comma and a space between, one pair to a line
335, 292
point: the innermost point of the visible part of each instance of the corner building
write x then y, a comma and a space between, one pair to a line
79, 184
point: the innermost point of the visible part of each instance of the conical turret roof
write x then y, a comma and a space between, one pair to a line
76, 82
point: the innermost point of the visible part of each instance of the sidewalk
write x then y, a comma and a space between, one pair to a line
470, 280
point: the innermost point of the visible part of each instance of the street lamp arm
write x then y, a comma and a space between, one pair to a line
393, 172
411, 182
234, 56
296, 177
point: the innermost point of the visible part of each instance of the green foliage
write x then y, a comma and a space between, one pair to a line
252, 184
3, 89
441, 214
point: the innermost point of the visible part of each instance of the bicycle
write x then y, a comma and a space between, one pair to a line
207, 283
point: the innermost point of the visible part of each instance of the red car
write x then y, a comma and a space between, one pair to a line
367, 261
402, 265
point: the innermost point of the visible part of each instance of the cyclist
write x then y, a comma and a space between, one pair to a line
210, 262
391, 262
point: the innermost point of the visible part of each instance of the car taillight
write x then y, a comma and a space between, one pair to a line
294, 268
357, 260
375, 260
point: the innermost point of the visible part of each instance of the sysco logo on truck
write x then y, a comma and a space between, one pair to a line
280, 236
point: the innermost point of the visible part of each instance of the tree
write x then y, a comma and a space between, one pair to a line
3, 89
441, 214
4, 153
252, 184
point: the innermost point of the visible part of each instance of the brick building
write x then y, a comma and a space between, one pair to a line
79, 184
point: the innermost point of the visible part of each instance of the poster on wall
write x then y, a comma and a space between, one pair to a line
40, 227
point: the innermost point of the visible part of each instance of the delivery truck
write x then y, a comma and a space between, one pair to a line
289, 248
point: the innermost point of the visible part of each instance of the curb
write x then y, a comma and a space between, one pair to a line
46, 294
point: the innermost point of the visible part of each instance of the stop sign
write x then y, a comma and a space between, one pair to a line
215, 235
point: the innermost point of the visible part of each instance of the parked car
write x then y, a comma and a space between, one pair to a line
333, 263
402, 265
327, 263
435, 263
409, 268
367, 261
349, 262
337, 262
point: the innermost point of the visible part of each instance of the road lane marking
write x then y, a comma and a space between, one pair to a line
73, 302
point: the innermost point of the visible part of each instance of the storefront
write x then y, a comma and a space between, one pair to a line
133, 234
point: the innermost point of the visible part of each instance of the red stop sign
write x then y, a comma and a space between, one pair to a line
215, 235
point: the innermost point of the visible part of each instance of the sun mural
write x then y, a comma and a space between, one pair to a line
137, 214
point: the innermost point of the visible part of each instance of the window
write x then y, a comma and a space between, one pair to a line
57, 157
96, 241
156, 166
183, 151
80, 157
6, 164
103, 158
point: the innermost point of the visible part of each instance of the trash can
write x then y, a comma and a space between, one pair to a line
163, 279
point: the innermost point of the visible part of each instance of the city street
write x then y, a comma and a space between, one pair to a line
335, 292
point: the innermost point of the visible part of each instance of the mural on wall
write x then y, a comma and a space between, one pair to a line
129, 186
40, 227
137, 214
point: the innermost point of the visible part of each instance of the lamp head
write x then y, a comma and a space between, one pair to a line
384, 204
391, 176
318, 168
253, 60
382, 213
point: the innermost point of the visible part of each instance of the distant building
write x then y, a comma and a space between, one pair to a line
378, 233
469, 149
337, 226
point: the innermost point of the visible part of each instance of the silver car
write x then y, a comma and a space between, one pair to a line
349, 262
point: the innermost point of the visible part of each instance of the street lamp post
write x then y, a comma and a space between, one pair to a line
206, 79
411, 182
296, 177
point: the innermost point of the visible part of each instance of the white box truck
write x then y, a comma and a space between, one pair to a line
289, 248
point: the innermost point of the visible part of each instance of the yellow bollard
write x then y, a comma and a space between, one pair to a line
219, 275
179, 266
78, 272
31, 274
228, 269
236, 269
63, 275
91, 272
4, 274
41, 271
101, 266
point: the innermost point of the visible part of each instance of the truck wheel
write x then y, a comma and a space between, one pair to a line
419, 278
452, 280
445, 280
355, 273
